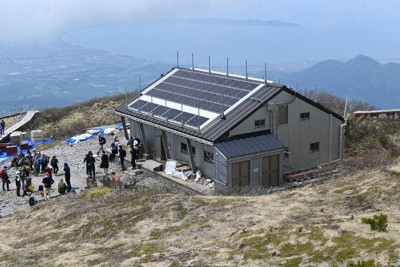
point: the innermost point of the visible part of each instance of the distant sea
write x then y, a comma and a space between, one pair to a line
221, 42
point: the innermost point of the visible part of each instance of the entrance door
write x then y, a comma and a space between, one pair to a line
270, 171
241, 173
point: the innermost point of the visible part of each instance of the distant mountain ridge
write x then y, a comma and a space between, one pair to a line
360, 78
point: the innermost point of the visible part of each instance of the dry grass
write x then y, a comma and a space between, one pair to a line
318, 225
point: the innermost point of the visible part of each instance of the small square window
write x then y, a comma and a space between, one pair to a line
259, 124
304, 116
314, 147
184, 148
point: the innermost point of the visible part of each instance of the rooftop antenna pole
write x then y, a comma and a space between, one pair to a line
297, 86
192, 62
209, 64
227, 67
140, 83
265, 72
247, 77
177, 59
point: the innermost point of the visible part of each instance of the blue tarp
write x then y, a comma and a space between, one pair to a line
100, 130
78, 138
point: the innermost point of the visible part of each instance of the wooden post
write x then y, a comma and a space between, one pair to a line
124, 126
143, 138
165, 144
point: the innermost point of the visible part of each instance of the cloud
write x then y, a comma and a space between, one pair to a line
34, 20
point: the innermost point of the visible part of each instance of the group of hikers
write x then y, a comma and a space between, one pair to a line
116, 150
38, 164
35, 164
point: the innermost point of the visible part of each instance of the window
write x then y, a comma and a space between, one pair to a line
283, 115
184, 149
314, 147
259, 124
208, 156
304, 116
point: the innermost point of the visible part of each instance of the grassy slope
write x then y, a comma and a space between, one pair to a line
318, 225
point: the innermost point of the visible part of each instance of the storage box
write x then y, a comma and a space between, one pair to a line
37, 136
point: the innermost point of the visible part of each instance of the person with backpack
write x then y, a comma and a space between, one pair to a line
90, 165
47, 182
122, 155
54, 164
6, 179
102, 142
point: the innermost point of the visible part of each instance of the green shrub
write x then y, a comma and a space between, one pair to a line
95, 192
378, 222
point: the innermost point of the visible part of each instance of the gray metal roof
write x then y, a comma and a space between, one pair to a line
248, 145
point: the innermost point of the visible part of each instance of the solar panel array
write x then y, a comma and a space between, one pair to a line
205, 91
169, 114
202, 90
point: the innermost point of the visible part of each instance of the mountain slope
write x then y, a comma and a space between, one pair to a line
360, 78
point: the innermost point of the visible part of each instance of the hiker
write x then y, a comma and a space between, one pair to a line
47, 182
114, 152
114, 138
36, 165
48, 172
116, 180
43, 162
104, 162
90, 167
102, 142
62, 187
122, 155
67, 174
133, 157
18, 182
6, 180
3, 127
54, 164
28, 188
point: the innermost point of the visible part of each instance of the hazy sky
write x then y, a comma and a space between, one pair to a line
36, 19
357, 26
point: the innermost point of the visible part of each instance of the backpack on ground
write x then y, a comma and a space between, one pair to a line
32, 201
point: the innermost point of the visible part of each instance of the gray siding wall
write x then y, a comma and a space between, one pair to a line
247, 126
298, 134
